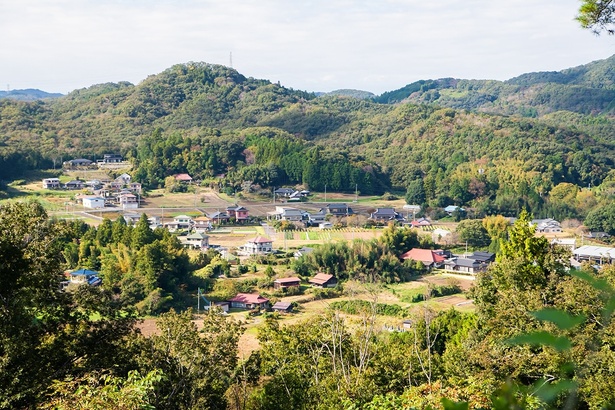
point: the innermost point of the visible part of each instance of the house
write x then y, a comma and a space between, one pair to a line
285, 192
486, 257
95, 202
51, 183
93, 184
597, 235
75, 163
420, 222
257, 246
249, 301
288, 214
316, 218
202, 224
123, 179
325, 225
464, 265
385, 215
323, 280
110, 159
196, 241
429, 258
135, 187
337, 209
131, 218
548, 225
285, 283
596, 254
570, 243
219, 217
74, 185
82, 276
183, 178
240, 213
128, 201
282, 307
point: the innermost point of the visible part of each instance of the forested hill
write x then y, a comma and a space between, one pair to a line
208, 119
587, 89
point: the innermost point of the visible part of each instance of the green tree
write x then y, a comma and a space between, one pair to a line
597, 15
415, 194
473, 232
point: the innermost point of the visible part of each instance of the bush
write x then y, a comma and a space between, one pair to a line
355, 307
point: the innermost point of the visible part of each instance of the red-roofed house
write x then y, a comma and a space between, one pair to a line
323, 280
285, 283
429, 258
258, 245
249, 301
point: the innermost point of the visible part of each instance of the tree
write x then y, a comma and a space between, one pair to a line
597, 15
415, 194
473, 232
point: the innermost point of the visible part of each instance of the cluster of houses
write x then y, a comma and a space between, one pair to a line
86, 163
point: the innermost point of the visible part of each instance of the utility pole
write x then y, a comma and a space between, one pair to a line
325, 192
356, 192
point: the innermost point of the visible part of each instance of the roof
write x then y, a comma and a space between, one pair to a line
182, 217
197, 236
260, 239
423, 255
451, 208
482, 256
594, 251
249, 298
321, 278
83, 272
337, 206
281, 306
183, 177
385, 212
284, 190
201, 218
468, 263
292, 279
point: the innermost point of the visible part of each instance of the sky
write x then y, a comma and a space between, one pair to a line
312, 45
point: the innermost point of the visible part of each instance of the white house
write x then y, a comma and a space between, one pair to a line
51, 183
95, 202
257, 246
128, 201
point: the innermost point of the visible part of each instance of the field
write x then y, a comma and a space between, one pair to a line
389, 294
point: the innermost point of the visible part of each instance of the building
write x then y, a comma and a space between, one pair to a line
85, 276
386, 215
183, 178
452, 208
337, 209
464, 265
569, 243
257, 246
110, 159
428, 257
594, 254
302, 251
282, 307
128, 201
284, 213
76, 163
95, 202
240, 213
323, 280
180, 222
51, 183
285, 192
219, 217
123, 179
548, 225
285, 283
74, 185
196, 241
202, 224
486, 257
249, 301
417, 223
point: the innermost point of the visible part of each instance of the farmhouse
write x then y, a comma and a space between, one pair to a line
74, 185
128, 201
51, 183
219, 217
79, 162
547, 225
385, 214
285, 283
337, 209
417, 223
249, 301
594, 254
287, 214
464, 265
323, 280
282, 307
429, 258
286, 192
110, 159
202, 224
183, 178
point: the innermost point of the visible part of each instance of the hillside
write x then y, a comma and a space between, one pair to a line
587, 89
28, 94
209, 120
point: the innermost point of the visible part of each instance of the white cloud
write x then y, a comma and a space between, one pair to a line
59, 45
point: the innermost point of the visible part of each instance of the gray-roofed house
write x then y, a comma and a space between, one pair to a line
340, 209
464, 265
282, 307
386, 214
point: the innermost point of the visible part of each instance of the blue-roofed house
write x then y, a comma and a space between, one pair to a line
83, 275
